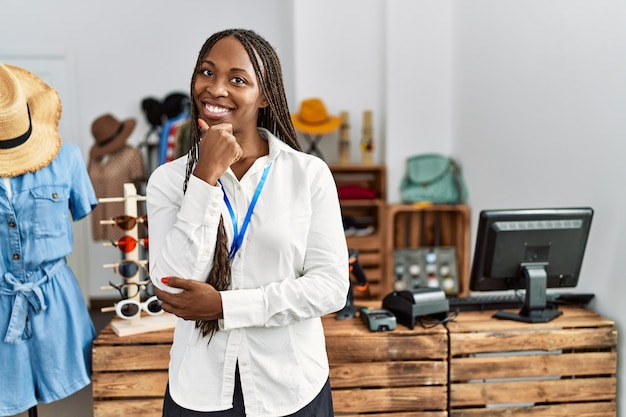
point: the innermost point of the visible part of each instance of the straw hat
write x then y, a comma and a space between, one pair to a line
110, 135
30, 111
314, 119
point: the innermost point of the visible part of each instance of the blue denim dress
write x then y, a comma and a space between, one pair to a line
46, 332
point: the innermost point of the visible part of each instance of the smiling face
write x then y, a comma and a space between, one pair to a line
226, 88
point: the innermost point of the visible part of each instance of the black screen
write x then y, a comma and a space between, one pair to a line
550, 243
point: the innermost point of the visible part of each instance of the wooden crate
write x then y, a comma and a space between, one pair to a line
371, 247
130, 373
566, 367
400, 373
404, 231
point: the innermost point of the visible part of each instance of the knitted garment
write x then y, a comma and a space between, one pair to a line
108, 176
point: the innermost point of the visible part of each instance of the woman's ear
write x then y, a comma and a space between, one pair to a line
264, 103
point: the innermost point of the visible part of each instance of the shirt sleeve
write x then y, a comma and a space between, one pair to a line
182, 227
82, 195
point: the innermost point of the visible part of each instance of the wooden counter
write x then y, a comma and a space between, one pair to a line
403, 372
475, 366
566, 367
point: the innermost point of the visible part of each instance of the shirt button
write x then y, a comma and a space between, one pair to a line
11, 224
16, 256
55, 195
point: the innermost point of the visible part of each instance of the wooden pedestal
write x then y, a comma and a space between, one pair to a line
130, 373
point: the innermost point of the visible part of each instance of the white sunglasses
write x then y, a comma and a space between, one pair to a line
129, 309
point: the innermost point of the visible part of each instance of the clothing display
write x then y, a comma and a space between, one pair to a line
269, 330
47, 333
170, 136
108, 175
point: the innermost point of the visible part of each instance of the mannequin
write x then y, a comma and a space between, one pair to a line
46, 332
112, 163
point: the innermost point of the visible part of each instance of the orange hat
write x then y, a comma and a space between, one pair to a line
314, 119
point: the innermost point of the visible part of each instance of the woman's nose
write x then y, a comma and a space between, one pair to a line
217, 88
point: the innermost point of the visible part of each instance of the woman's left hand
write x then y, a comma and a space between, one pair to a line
197, 301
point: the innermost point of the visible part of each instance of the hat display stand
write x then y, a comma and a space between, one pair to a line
367, 141
344, 139
313, 142
142, 323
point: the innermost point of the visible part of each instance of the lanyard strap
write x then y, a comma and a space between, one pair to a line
239, 234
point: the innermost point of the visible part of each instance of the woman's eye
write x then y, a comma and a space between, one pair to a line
238, 80
207, 72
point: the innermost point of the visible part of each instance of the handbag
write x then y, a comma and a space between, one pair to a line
434, 178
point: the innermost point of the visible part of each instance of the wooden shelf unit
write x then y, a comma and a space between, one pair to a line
404, 231
370, 247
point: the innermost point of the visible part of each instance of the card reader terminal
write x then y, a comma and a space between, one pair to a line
378, 320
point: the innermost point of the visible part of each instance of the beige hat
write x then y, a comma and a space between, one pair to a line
110, 135
30, 111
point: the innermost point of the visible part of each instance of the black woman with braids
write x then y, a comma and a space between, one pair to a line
246, 245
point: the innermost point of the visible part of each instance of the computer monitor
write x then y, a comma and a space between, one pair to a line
531, 250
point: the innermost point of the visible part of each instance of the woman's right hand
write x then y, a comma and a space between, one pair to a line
218, 150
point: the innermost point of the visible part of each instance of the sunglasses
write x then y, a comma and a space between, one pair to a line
126, 222
131, 289
128, 309
128, 243
128, 268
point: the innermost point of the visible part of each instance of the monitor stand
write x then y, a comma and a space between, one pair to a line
535, 309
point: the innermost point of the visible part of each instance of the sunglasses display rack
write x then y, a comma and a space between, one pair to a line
134, 315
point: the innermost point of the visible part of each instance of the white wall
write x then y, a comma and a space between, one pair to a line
339, 57
117, 53
539, 103
418, 80
529, 95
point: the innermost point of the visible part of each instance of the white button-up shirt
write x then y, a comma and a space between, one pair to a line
291, 269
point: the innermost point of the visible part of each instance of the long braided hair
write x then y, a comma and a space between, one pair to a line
275, 118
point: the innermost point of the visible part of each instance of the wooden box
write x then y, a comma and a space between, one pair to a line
411, 226
369, 212
399, 373
566, 367
130, 373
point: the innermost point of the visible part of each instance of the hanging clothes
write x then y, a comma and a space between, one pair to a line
46, 333
169, 138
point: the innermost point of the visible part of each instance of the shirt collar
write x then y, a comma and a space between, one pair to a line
276, 145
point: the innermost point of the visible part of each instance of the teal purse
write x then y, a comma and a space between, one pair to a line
433, 178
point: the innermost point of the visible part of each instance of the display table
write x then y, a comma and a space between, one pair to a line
566, 367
